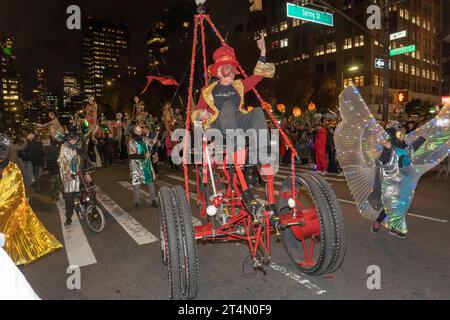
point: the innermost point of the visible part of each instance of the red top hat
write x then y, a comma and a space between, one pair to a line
224, 56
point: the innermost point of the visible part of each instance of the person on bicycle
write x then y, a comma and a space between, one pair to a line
222, 104
73, 165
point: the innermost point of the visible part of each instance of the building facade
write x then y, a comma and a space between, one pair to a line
71, 87
104, 45
10, 93
335, 56
169, 41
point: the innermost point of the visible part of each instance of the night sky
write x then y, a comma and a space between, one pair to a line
43, 40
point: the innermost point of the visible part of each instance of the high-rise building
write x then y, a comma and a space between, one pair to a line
103, 46
10, 96
40, 92
71, 87
52, 101
446, 50
156, 45
310, 56
169, 41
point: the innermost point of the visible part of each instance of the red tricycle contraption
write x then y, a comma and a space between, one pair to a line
309, 219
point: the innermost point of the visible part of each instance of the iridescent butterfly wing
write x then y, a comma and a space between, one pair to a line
359, 141
436, 148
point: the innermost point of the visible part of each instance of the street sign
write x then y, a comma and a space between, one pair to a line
398, 35
302, 13
403, 50
379, 63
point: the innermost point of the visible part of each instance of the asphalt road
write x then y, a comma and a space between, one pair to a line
124, 260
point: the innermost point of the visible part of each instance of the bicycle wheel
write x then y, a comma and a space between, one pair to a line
95, 219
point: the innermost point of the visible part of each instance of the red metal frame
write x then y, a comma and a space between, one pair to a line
304, 223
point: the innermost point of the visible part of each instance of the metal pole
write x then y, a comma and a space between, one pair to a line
386, 70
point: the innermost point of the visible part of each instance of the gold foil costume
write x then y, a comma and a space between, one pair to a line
26, 238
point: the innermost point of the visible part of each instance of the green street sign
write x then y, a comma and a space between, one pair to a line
403, 50
302, 13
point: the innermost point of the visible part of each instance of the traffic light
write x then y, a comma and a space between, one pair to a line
403, 97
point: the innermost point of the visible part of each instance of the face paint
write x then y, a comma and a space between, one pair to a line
227, 71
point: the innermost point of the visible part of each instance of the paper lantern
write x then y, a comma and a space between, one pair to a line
281, 108
311, 107
267, 106
297, 112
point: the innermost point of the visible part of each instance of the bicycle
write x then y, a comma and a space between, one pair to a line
87, 209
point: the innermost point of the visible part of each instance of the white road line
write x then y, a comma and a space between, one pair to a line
145, 195
326, 178
409, 214
79, 252
427, 218
134, 229
304, 282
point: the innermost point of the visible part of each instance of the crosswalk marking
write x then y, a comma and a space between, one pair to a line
134, 229
79, 252
289, 172
145, 195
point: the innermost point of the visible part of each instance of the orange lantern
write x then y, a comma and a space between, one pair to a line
311, 107
267, 106
297, 112
281, 108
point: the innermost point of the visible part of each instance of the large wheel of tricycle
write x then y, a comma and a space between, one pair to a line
178, 245
163, 231
311, 245
338, 223
170, 243
191, 273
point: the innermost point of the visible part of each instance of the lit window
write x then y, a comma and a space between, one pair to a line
319, 51
283, 26
348, 44
284, 43
331, 47
359, 81
376, 81
359, 41
296, 22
